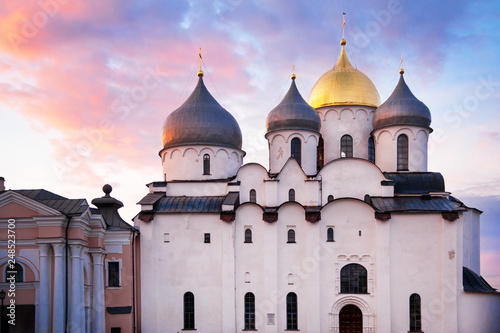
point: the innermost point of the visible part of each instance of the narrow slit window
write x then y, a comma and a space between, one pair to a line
206, 164
113, 274
371, 150
249, 311
291, 236
296, 150
291, 195
207, 238
291, 312
403, 152
415, 314
189, 311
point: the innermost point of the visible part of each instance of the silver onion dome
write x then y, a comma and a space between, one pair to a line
402, 108
201, 120
293, 112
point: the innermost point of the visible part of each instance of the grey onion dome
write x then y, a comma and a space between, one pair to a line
293, 112
201, 120
402, 108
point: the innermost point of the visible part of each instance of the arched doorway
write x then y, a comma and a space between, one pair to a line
350, 319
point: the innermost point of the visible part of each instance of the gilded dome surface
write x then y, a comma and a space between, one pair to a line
293, 112
201, 120
402, 108
344, 85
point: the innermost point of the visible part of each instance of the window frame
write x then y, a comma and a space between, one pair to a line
403, 153
248, 235
189, 313
330, 234
346, 146
292, 312
252, 196
249, 311
296, 150
107, 262
354, 279
206, 164
371, 149
415, 313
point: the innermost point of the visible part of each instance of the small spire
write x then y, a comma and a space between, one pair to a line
293, 71
200, 72
343, 26
401, 70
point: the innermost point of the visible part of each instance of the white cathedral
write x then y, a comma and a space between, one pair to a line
346, 232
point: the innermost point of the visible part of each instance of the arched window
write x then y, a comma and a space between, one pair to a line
19, 272
320, 154
291, 312
402, 152
330, 198
415, 315
249, 311
291, 195
371, 150
248, 235
346, 146
329, 235
253, 196
206, 164
291, 236
353, 279
189, 311
296, 151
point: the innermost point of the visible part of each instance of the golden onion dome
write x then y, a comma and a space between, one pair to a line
343, 85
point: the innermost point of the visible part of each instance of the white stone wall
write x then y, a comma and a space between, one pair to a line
186, 162
478, 312
280, 149
337, 121
386, 144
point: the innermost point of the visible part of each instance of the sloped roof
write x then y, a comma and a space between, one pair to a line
475, 283
188, 204
412, 204
57, 202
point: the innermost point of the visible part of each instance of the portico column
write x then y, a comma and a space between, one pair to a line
44, 302
98, 309
59, 275
77, 306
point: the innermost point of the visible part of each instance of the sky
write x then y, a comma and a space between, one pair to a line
86, 85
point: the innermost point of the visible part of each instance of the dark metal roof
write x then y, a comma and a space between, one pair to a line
402, 108
151, 198
293, 112
189, 204
201, 120
475, 283
57, 202
412, 204
416, 182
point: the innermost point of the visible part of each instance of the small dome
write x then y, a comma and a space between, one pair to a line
293, 112
402, 108
344, 85
201, 120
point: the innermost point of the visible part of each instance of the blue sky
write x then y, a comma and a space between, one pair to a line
77, 115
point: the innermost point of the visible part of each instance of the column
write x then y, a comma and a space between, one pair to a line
98, 308
59, 278
81, 291
76, 302
44, 302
